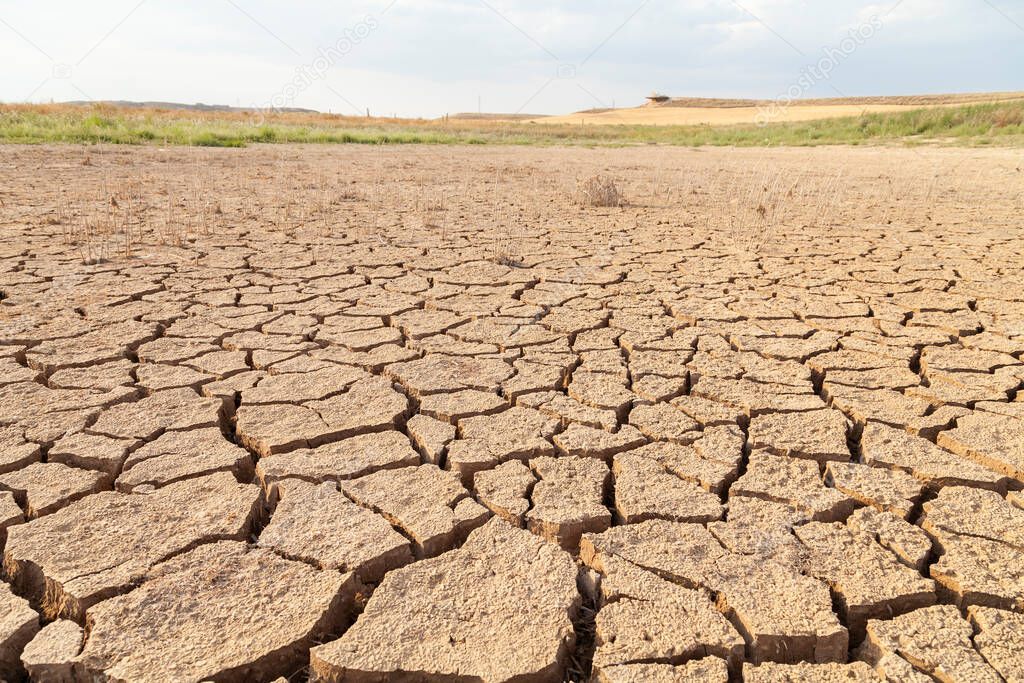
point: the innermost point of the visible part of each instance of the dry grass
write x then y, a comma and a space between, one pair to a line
113, 209
599, 190
746, 208
725, 112
976, 124
506, 251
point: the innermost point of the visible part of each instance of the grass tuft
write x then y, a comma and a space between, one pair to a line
599, 190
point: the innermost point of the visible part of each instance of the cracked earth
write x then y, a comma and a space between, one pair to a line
451, 426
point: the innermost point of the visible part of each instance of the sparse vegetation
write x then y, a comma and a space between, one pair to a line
599, 190
1000, 123
122, 210
506, 258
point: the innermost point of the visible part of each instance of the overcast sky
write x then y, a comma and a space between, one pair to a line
429, 57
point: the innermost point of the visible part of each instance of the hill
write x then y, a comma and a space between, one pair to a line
691, 111
179, 106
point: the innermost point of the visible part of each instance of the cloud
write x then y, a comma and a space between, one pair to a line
428, 57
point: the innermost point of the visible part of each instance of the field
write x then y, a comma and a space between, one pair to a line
695, 111
909, 123
508, 413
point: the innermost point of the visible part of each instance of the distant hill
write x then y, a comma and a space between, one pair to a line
900, 100
198, 106
474, 116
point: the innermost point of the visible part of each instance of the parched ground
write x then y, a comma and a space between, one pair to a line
424, 414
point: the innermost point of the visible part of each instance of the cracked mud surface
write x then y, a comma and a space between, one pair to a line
428, 420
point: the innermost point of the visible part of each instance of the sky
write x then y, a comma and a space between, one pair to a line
431, 57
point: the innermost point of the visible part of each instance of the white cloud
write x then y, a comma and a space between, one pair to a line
428, 57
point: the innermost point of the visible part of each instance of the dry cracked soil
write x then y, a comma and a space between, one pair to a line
357, 414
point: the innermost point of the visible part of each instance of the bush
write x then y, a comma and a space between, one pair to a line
599, 191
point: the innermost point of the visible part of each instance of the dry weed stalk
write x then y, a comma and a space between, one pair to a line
767, 203
505, 250
750, 210
91, 247
599, 190
828, 199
